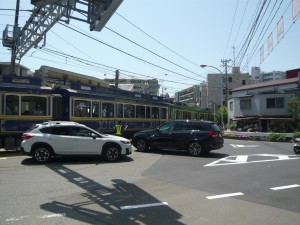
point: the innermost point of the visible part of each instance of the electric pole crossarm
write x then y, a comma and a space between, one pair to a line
40, 22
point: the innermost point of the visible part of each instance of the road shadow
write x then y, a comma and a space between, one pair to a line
73, 160
120, 203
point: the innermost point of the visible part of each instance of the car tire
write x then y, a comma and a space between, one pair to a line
142, 145
195, 148
297, 149
112, 153
42, 154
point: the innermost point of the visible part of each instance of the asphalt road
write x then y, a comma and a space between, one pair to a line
246, 182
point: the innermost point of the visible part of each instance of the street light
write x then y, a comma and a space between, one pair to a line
222, 116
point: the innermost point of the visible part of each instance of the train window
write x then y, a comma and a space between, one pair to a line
140, 111
95, 109
148, 112
129, 111
184, 114
82, 108
163, 113
177, 112
120, 109
33, 105
155, 113
194, 115
108, 109
12, 105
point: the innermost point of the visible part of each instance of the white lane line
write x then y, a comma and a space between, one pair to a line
224, 195
143, 205
42, 217
3, 158
53, 215
285, 187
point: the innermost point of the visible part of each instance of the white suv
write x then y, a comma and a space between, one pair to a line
50, 139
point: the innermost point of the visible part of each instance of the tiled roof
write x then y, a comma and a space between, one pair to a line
267, 84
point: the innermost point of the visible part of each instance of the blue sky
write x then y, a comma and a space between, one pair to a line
174, 38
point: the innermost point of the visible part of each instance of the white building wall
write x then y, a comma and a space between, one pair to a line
233, 81
259, 98
275, 75
259, 106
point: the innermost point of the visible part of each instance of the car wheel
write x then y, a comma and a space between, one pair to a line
142, 145
42, 154
195, 149
297, 149
112, 153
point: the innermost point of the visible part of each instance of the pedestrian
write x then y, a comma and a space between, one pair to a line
119, 128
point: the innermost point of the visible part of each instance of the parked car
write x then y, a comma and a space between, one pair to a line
195, 136
60, 138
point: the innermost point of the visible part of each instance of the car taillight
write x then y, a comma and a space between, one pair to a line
27, 136
213, 134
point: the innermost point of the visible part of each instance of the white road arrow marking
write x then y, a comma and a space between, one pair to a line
243, 159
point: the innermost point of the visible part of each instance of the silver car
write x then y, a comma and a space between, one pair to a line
60, 138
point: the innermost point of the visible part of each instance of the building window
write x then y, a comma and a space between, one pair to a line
273, 103
230, 79
245, 104
231, 106
243, 82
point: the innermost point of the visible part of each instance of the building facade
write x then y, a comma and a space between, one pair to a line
53, 76
263, 105
275, 75
230, 81
189, 96
19, 69
147, 86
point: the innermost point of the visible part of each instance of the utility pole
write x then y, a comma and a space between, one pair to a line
15, 35
225, 64
233, 49
117, 79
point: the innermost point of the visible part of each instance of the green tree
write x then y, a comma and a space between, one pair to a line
219, 115
294, 109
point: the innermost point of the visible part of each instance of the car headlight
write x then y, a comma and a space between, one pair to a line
125, 142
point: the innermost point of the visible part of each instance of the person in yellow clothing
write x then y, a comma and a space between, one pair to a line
119, 128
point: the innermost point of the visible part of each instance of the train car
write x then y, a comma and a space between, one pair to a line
101, 108
181, 111
23, 102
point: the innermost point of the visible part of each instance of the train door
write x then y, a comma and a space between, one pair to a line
57, 108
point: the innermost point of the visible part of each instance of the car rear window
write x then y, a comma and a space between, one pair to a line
46, 130
215, 127
32, 128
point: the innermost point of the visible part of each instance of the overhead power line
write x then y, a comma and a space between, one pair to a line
153, 52
157, 40
133, 56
